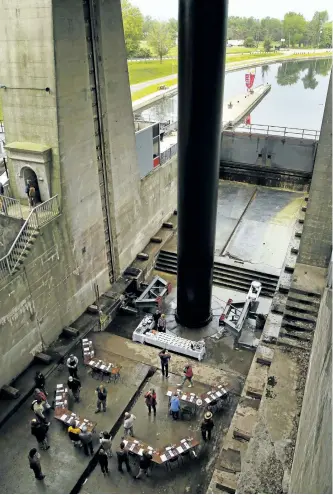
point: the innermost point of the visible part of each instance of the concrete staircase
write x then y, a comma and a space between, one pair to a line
224, 275
299, 318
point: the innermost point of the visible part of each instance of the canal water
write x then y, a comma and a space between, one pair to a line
296, 99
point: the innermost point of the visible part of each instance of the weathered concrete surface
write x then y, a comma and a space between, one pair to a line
9, 228
190, 477
316, 248
312, 465
62, 463
203, 373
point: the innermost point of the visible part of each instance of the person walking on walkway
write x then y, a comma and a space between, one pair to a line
72, 364
165, 358
103, 461
74, 385
39, 394
38, 408
206, 426
151, 401
188, 375
101, 393
34, 463
161, 324
32, 196
175, 406
144, 465
123, 457
40, 381
39, 430
128, 424
105, 440
86, 439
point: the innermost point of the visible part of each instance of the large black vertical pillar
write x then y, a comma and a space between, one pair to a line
201, 59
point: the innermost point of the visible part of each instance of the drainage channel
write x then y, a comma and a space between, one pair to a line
94, 460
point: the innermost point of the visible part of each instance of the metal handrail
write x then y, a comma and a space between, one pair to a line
10, 207
277, 130
39, 216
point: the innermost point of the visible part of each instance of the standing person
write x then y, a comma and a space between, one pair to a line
39, 430
156, 317
165, 358
151, 401
38, 408
72, 363
188, 375
74, 385
161, 324
103, 461
38, 394
74, 433
123, 457
26, 190
32, 195
86, 439
175, 406
145, 463
206, 426
105, 440
2, 189
34, 463
128, 424
40, 381
101, 393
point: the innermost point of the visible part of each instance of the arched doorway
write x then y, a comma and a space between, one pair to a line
30, 177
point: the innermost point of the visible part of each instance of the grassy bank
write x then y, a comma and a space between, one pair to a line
152, 89
145, 71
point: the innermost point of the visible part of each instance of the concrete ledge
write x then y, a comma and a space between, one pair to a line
224, 482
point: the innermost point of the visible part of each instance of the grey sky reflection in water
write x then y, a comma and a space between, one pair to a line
296, 99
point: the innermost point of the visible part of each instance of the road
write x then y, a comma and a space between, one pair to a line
137, 87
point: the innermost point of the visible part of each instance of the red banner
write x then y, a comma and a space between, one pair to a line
249, 79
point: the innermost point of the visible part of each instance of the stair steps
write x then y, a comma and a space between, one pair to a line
236, 278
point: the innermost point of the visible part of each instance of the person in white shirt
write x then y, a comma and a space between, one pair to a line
128, 424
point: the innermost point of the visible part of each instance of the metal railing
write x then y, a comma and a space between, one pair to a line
39, 216
275, 130
168, 154
10, 207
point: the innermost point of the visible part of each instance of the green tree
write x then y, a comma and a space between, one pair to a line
323, 66
160, 39
271, 28
326, 35
294, 27
249, 42
267, 45
173, 26
147, 25
133, 24
315, 27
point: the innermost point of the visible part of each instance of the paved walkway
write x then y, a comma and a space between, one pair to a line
137, 87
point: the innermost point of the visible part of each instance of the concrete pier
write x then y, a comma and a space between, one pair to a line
235, 109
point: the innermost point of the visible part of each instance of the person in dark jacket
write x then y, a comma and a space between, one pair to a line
102, 394
144, 465
72, 364
165, 358
156, 317
86, 439
123, 457
34, 463
206, 426
40, 381
39, 430
74, 385
103, 461
151, 401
